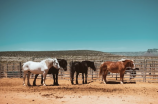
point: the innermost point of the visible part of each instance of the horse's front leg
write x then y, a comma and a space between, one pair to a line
44, 78
57, 78
34, 82
28, 77
54, 79
77, 77
121, 77
82, 78
24, 76
85, 78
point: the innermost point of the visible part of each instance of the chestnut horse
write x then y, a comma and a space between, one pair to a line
116, 67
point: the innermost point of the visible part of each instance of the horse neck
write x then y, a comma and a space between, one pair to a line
126, 64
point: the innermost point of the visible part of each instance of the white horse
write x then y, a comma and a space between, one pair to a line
39, 68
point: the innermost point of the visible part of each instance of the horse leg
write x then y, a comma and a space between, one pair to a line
82, 78
34, 82
77, 78
104, 76
54, 79
72, 77
57, 79
28, 77
41, 79
24, 76
121, 77
44, 78
85, 78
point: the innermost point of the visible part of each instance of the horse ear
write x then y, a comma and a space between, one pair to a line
124, 61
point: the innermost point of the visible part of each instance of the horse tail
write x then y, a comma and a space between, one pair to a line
101, 69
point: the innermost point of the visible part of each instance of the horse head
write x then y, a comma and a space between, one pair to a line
91, 65
63, 64
128, 63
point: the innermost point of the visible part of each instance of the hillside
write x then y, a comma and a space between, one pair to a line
55, 53
129, 53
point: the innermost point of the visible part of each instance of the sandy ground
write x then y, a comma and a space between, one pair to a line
13, 92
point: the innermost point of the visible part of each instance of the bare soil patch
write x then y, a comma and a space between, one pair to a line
13, 92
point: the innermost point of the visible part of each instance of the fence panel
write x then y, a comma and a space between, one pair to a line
148, 71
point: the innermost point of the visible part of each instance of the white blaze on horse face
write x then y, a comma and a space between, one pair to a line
56, 64
133, 64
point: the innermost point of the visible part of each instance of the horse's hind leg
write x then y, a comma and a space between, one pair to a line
77, 78
57, 78
28, 77
54, 79
82, 78
72, 77
24, 76
34, 82
104, 76
41, 79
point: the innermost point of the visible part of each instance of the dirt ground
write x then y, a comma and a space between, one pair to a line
13, 92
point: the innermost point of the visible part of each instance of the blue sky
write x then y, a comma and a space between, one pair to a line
103, 25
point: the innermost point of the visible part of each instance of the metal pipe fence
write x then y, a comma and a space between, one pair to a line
148, 71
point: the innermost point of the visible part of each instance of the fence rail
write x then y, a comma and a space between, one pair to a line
148, 71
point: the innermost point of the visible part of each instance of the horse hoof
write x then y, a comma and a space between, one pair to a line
44, 84
24, 85
121, 82
34, 84
104, 82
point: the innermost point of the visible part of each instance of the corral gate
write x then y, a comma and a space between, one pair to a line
148, 71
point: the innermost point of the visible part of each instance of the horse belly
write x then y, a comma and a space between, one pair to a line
114, 70
35, 69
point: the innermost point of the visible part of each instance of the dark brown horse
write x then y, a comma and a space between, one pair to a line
80, 67
116, 67
54, 72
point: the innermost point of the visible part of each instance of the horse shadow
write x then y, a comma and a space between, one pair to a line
114, 82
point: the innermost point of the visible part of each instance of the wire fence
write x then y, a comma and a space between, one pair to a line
148, 71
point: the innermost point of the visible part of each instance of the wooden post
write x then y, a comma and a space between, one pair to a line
116, 76
20, 70
0, 70
144, 74
13, 73
7, 70
92, 74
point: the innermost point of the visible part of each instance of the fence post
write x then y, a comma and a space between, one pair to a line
20, 69
92, 74
0, 70
7, 70
144, 73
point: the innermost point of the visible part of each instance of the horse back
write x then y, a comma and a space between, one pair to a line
114, 67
